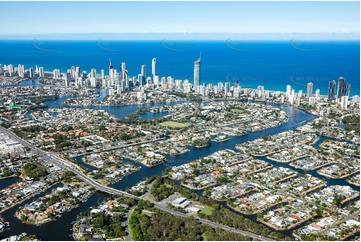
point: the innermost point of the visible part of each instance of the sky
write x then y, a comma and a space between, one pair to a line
34, 18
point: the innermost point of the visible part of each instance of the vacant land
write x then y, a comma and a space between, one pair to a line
207, 211
174, 125
237, 110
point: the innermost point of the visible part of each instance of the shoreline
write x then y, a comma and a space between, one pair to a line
314, 168
284, 179
288, 161
337, 177
143, 163
47, 220
262, 169
7, 177
312, 189
259, 210
241, 194
353, 183
27, 197
242, 161
198, 189
287, 228
350, 198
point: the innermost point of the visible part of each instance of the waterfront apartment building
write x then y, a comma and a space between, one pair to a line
331, 90
31, 73
309, 89
343, 88
41, 72
196, 76
154, 63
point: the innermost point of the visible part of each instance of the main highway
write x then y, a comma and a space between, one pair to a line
69, 166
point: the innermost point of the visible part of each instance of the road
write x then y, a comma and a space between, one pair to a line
129, 213
213, 224
66, 165
69, 166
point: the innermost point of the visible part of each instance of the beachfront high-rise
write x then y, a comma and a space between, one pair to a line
196, 77
331, 90
309, 89
123, 69
154, 63
343, 88
41, 72
31, 73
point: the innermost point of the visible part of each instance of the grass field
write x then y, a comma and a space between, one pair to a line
174, 125
207, 210
237, 110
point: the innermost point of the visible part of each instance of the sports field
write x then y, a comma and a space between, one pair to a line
174, 125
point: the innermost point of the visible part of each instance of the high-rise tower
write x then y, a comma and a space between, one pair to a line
309, 89
154, 63
343, 88
331, 90
197, 68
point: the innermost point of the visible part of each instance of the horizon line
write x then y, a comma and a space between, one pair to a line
190, 33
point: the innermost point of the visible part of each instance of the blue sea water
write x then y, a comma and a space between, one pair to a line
273, 64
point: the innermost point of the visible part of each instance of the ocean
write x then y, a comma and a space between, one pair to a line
273, 64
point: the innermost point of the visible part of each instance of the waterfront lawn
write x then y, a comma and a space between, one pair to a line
174, 125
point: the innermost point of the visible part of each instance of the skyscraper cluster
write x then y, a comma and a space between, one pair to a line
343, 89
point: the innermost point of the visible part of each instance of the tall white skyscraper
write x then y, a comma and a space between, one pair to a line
143, 71
317, 94
41, 72
260, 91
93, 72
196, 76
156, 80
344, 102
220, 86
288, 90
309, 89
154, 63
123, 69
21, 70
11, 69
227, 87
140, 79
170, 82
56, 74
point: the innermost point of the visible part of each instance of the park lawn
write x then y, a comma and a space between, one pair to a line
207, 210
74, 183
176, 125
237, 110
